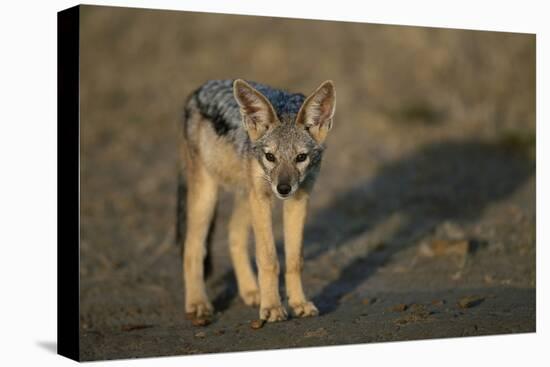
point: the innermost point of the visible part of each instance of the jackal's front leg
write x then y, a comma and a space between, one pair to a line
201, 201
294, 219
271, 308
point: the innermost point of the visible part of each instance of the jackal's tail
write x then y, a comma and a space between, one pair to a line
181, 197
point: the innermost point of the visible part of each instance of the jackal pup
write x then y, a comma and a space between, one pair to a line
261, 143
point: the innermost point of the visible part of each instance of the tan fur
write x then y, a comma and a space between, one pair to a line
318, 111
260, 202
231, 173
211, 162
256, 110
239, 226
201, 200
294, 215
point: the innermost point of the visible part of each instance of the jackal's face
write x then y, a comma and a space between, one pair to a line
288, 149
287, 155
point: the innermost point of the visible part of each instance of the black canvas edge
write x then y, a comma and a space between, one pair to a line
68, 183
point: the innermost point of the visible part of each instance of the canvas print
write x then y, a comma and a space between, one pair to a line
253, 183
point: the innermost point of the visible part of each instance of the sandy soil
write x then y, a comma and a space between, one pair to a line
426, 196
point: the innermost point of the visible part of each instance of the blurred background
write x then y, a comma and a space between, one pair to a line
427, 190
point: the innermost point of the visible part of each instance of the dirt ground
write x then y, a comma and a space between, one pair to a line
426, 195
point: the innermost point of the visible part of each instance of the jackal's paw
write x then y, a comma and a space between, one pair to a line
199, 310
304, 309
251, 298
271, 314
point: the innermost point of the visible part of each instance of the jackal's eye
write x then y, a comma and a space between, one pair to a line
270, 157
301, 157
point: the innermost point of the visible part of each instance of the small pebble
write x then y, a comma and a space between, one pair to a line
135, 327
369, 301
200, 334
400, 307
200, 322
470, 301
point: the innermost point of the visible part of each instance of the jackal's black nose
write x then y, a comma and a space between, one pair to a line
283, 189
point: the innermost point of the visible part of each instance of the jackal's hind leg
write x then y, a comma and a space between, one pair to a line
239, 227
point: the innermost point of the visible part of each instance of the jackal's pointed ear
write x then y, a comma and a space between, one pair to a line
257, 112
317, 112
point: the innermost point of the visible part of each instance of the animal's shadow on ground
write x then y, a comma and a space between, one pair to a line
450, 180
